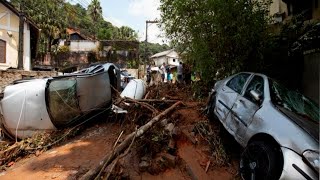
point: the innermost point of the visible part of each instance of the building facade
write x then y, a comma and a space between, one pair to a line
9, 38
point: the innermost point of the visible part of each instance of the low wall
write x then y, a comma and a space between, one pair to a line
8, 76
133, 72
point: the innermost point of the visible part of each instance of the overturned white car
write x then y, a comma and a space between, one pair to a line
47, 104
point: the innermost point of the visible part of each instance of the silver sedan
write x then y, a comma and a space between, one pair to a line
278, 127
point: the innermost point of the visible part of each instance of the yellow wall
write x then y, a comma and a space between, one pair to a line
12, 40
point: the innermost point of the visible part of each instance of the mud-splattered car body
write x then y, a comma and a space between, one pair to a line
51, 103
265, 116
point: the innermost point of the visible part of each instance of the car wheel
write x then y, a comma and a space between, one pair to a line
259, 161
210, 106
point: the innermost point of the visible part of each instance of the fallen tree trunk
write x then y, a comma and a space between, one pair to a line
124, 145
154, 100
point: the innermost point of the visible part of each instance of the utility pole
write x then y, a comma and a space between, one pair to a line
21, 31
146, 43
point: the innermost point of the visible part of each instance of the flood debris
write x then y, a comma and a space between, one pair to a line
150, 132
125, 144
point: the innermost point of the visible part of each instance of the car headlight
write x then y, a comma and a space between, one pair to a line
313, 158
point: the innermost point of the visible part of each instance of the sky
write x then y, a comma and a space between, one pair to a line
132, 13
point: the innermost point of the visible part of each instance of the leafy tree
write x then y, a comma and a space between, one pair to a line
49, 16
153, 48
126, 33
217, 35
95, 10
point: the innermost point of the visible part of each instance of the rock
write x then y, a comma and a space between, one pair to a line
143, 166
164, 122
169, 127
175, 131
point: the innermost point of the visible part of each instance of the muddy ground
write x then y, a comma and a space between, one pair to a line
194, 149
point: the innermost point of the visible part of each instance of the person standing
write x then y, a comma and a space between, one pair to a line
163, 71
180, 73
169, 75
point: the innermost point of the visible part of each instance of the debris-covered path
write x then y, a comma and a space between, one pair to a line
186, 146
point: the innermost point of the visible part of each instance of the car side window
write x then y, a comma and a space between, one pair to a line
237, 82
257, 84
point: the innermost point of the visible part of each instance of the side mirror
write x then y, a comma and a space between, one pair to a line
255, 95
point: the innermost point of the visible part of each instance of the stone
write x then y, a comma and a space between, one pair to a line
169, 127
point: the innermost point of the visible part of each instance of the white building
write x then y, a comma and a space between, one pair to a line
170, 57
9, 38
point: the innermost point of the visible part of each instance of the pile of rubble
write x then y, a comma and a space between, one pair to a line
152, 128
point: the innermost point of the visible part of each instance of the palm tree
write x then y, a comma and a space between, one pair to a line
95, 11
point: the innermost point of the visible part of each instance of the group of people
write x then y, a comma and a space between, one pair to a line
183, 73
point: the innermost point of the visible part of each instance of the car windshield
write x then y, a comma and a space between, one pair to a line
62, 101
294, 101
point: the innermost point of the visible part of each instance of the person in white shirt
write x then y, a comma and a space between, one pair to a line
180, 73
163, 71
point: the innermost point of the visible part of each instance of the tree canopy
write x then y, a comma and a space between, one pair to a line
216, 35
54, 16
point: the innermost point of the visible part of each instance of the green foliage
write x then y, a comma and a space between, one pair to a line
49, 16
63, 49
216, 35
95, 10
54, 16
153, 48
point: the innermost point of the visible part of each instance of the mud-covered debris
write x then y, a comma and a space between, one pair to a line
169, 128
172, 146
170, 159
143, 166
191, 138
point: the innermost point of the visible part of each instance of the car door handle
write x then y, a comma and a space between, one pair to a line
223, 89
242, 101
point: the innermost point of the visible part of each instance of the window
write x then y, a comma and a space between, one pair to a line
174, 60
2, 51
256, 84
237, 82
62, 101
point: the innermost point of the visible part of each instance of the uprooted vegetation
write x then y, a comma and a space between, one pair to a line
154, 150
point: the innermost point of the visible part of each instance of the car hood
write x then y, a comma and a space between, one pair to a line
309, 126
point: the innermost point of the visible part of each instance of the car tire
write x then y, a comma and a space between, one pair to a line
210, 107
259, 161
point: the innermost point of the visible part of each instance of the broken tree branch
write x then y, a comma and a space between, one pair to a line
146, 97
148, 106
124, 145
155, 100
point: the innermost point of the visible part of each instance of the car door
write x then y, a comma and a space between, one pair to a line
227, 95
245, 107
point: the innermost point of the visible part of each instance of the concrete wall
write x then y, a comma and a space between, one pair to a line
82, 45
8, 76
311, 75
9, 24
160, 60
